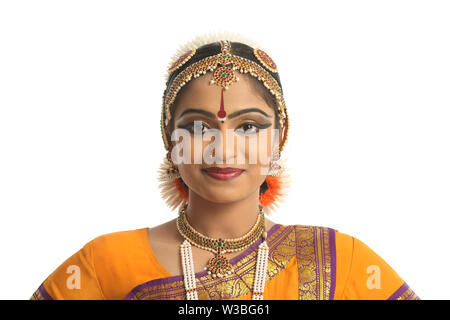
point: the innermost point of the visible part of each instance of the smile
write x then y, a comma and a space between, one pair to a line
223, 173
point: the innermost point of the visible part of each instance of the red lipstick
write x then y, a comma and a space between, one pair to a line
223, 173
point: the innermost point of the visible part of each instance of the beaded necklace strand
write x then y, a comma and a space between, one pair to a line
219, 266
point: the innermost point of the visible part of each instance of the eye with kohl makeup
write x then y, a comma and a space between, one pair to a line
200, 126
250, 128
247, 128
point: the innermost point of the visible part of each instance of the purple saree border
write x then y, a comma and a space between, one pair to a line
44, 293
167, 280
399, 292
332, 244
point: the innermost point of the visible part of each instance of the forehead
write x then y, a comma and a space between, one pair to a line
240, 95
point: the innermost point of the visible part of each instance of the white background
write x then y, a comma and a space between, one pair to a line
367, 90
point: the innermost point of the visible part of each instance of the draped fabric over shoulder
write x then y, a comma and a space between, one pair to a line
305, 263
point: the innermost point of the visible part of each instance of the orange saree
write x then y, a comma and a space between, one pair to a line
305, 262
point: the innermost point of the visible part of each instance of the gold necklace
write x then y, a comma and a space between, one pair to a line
219, 265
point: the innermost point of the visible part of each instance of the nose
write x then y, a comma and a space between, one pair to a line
234, 146
222, 141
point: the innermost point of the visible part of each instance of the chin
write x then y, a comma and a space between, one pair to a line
222, 194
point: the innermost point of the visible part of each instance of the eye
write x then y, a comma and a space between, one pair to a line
248, 128
203, 127
196, 127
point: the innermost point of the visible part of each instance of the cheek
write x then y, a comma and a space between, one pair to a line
260, 148
188, 151
187, 173
256, 173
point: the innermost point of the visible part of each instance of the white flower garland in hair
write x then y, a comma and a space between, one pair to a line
210, 37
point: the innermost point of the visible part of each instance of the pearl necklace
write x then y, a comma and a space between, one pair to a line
219, 262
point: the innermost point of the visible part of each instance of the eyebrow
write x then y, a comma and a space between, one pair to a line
231, 116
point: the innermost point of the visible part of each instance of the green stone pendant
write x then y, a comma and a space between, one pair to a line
219, 266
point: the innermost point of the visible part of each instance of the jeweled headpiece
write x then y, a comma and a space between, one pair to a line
222, 66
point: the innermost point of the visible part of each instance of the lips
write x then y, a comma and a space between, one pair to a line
223, 173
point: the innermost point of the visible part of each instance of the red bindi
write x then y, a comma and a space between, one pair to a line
222, 114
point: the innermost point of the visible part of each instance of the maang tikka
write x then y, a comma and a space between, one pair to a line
223, 66
224, 76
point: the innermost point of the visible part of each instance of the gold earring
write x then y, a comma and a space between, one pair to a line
171, 171
275, 163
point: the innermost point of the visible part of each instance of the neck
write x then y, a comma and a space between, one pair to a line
222, 220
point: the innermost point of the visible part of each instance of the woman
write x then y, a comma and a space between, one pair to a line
224, 124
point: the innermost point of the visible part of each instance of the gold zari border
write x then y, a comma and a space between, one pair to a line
310, 245
409, 294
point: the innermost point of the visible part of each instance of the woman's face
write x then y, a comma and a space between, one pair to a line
239, 142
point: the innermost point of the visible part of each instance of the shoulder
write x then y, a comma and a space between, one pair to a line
321, 234
357, 272
117, 244
361, 273
117, 237
338, 241
121, 260
109, 248
349, 253
87, 273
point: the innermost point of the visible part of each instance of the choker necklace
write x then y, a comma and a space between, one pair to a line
219, 266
